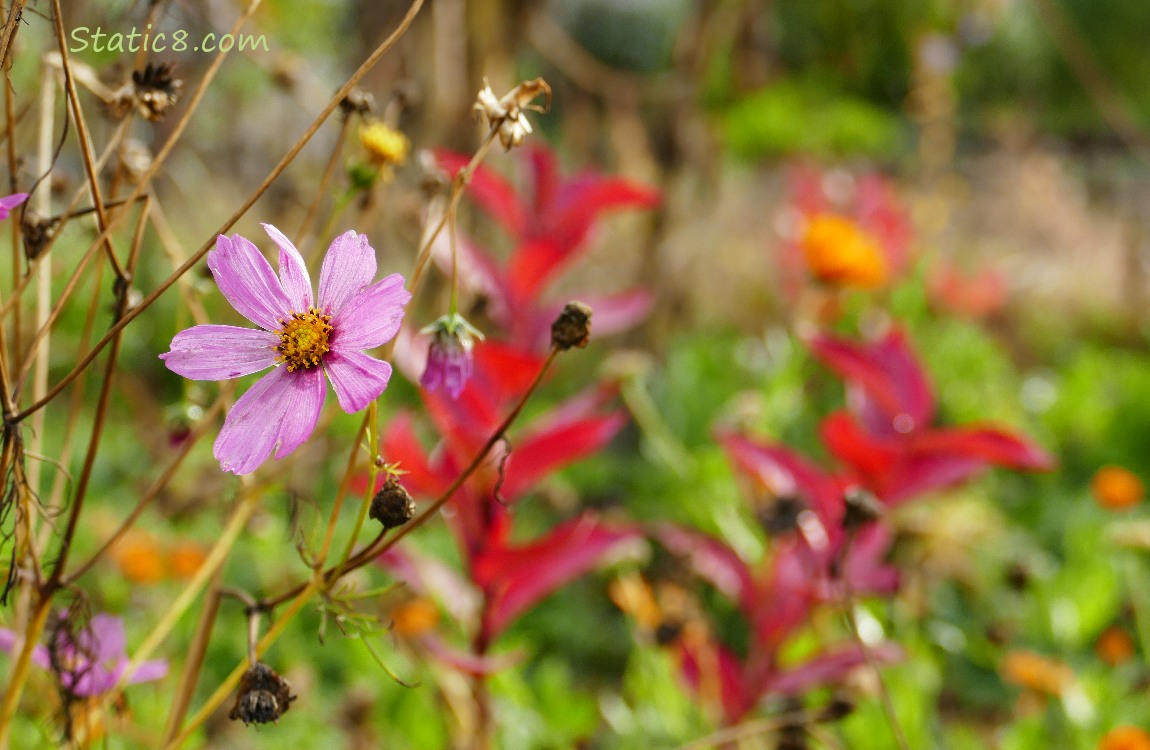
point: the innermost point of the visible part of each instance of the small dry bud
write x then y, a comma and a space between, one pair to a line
782, 516
152, 92
862, 508
263, 697
357, 102
392, 506
572, 328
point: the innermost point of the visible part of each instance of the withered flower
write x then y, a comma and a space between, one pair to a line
505, 115
357, 102
572, 328
263, 697
152, 92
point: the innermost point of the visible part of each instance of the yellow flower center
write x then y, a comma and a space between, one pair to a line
303, 339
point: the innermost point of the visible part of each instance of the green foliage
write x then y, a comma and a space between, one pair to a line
804, 117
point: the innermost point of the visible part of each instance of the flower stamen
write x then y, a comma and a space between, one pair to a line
304, 339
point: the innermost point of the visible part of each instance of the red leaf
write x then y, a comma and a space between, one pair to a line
716, 667
545, 452
897, 396
831, 667
785, 474
518, 577
493, 193
400, 445
712, 560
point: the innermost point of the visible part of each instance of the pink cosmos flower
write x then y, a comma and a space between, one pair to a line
300, 340
93, 663
9, 202
449, 358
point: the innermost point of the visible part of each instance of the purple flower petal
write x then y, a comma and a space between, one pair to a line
357, 378
293, 273
278, 412
148, 671
107, 634
214, 352
347, 268
247, 281
9, 202
371, 317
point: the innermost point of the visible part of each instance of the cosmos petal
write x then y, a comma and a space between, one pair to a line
246, 279
348, 267
357, 378
371, 317
215, 352
279, 412
293, 273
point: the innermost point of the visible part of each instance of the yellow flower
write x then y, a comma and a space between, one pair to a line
385, 146
839, 252
1035, 672
1125, 738
1116, 488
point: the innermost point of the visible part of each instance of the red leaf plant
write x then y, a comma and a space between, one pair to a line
776, 598
887, 437
549, 226
509, 576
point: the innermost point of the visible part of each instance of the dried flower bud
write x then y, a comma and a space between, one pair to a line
357, 102
263, 696
392, 506
37, 233
572, 328
782, 516
152, 92
862, 508
840, 706
505, 115
668, 632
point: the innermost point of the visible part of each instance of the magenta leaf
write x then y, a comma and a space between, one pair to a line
545, 452
896, 397
828, 668
493, 193
518, 577
713, 561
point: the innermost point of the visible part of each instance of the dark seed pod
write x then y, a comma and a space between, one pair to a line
392, 506
782, 516
572, 328
862, 508
668, 632
263, 697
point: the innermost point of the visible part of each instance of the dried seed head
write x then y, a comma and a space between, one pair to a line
152, 92
37, 232
505, 115
782, 515
862, 508
668, 632
392, 506
572, 328
357, 102
263, 697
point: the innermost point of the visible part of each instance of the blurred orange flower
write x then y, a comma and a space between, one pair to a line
139, 558
1035, 672
185, 559
1125, 738
414, 617
1114, 646
1116, 488
838, 251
